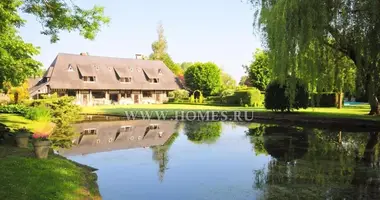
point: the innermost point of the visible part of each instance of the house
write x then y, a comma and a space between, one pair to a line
119, 135
95, 80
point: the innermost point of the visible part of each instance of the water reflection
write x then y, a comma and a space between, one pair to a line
287, 162
316, 164
105, 136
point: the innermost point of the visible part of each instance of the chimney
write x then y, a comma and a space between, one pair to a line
84, 54
139, 56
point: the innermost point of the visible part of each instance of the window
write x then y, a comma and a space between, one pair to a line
71, 93
89, 78
126, 94
153, 126
89, 131
125, 128
70, 68
147, 94
154, 80
98, 94
159, 71
126, 80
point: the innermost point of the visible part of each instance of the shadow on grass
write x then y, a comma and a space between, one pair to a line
25, 177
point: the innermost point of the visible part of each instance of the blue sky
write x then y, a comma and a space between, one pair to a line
220, 31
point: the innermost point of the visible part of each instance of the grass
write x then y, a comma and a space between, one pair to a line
14, 121
353, 112
23, 177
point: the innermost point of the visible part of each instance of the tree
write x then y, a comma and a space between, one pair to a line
348, 27
16, 60
160, 48
185, 65
204, 77
203, 132
244, 80
227, 81
259, 72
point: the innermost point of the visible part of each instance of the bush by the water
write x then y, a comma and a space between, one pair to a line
64, 113
276, 98
250, 97
39, 113
323, 100
14, 109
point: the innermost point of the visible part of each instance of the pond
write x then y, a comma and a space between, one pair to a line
225, 160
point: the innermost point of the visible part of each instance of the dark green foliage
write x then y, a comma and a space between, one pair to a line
14, 109
40, 113
323, 100
64, 114
249, 97
203, 132
204, 77
276, 98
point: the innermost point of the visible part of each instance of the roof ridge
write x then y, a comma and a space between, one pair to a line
72, 54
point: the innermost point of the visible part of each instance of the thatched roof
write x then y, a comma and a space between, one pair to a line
67, 69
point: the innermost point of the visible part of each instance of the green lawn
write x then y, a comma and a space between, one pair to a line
23, 177
14, 121
356, 112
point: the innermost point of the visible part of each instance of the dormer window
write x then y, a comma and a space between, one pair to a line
159, 71
125, 128
89, 131
70, 68
153, 126
126, 80
154, 80
89, 78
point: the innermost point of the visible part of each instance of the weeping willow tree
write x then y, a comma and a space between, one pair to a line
303, 34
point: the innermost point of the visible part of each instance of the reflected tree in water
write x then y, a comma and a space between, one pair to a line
314, 164
256, 137
203, 132
160, 153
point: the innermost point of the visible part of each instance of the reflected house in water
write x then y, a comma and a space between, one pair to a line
117, 135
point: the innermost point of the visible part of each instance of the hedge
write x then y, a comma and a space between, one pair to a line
250, 97
277, 100
323, 100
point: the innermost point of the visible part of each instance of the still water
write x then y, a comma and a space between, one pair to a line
215, 160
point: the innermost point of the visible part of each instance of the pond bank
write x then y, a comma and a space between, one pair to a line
25, 177
296, 118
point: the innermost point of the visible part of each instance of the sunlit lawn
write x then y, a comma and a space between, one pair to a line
359, 111
24, 177
14, 121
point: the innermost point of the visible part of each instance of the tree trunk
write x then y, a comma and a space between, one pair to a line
374, 103
339, 100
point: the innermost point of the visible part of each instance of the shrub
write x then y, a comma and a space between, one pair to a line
177, 95
40, 113
64, 113
214, 100
225, 94
203, 132
250, 97
323, 100
276, 98
14, 109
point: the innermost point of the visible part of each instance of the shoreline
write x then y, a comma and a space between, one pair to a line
266, 117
